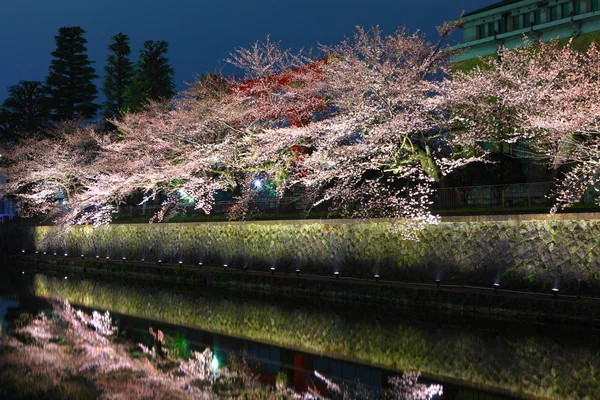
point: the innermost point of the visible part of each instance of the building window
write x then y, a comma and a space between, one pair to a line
553, 13
501, 26
577, 4
480, 31
491, 29
565, 10
516, 22
595, 5
537, 16
526, 20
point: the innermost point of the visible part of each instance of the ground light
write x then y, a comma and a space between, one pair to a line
124, 259
555, 291
107, 257
245, 268
272, 270
45, 253
66, 255
225, 267
65, 278
376, 276
22, 251
258, 183
496, 286
199, 264
37, 252
159, 262
97, 258
143, 260
337, 274
297, 271
437, 282
54, 254
82, 256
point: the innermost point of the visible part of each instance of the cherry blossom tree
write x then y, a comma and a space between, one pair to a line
544, 93
384, 137
44, 174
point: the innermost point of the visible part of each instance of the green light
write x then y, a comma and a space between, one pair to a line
214, 364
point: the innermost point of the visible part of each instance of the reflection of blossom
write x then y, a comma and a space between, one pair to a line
406, 387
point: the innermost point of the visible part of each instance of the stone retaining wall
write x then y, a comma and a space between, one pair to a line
534, 254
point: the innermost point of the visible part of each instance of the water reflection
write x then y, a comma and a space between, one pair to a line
503, 357
7, 303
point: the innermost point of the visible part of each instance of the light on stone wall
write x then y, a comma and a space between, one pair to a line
437, 282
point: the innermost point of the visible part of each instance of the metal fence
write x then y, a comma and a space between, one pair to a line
520, 195
503, 196
511, 196
8, 210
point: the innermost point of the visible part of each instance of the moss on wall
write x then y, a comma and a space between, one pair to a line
532, 362
531, 255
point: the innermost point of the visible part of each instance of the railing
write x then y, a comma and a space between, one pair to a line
8, 210
519, 195
508, 196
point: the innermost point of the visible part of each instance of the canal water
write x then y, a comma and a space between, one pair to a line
471, 358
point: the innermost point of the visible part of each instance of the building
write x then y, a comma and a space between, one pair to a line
507, 22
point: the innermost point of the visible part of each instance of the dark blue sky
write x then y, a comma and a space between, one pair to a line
201, 34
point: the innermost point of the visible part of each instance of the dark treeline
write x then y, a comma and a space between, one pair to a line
68, 91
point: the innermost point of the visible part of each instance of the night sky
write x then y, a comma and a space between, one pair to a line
201, 34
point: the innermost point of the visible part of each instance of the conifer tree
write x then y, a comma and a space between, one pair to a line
24, 111
117, 78
70, 77
153, 76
